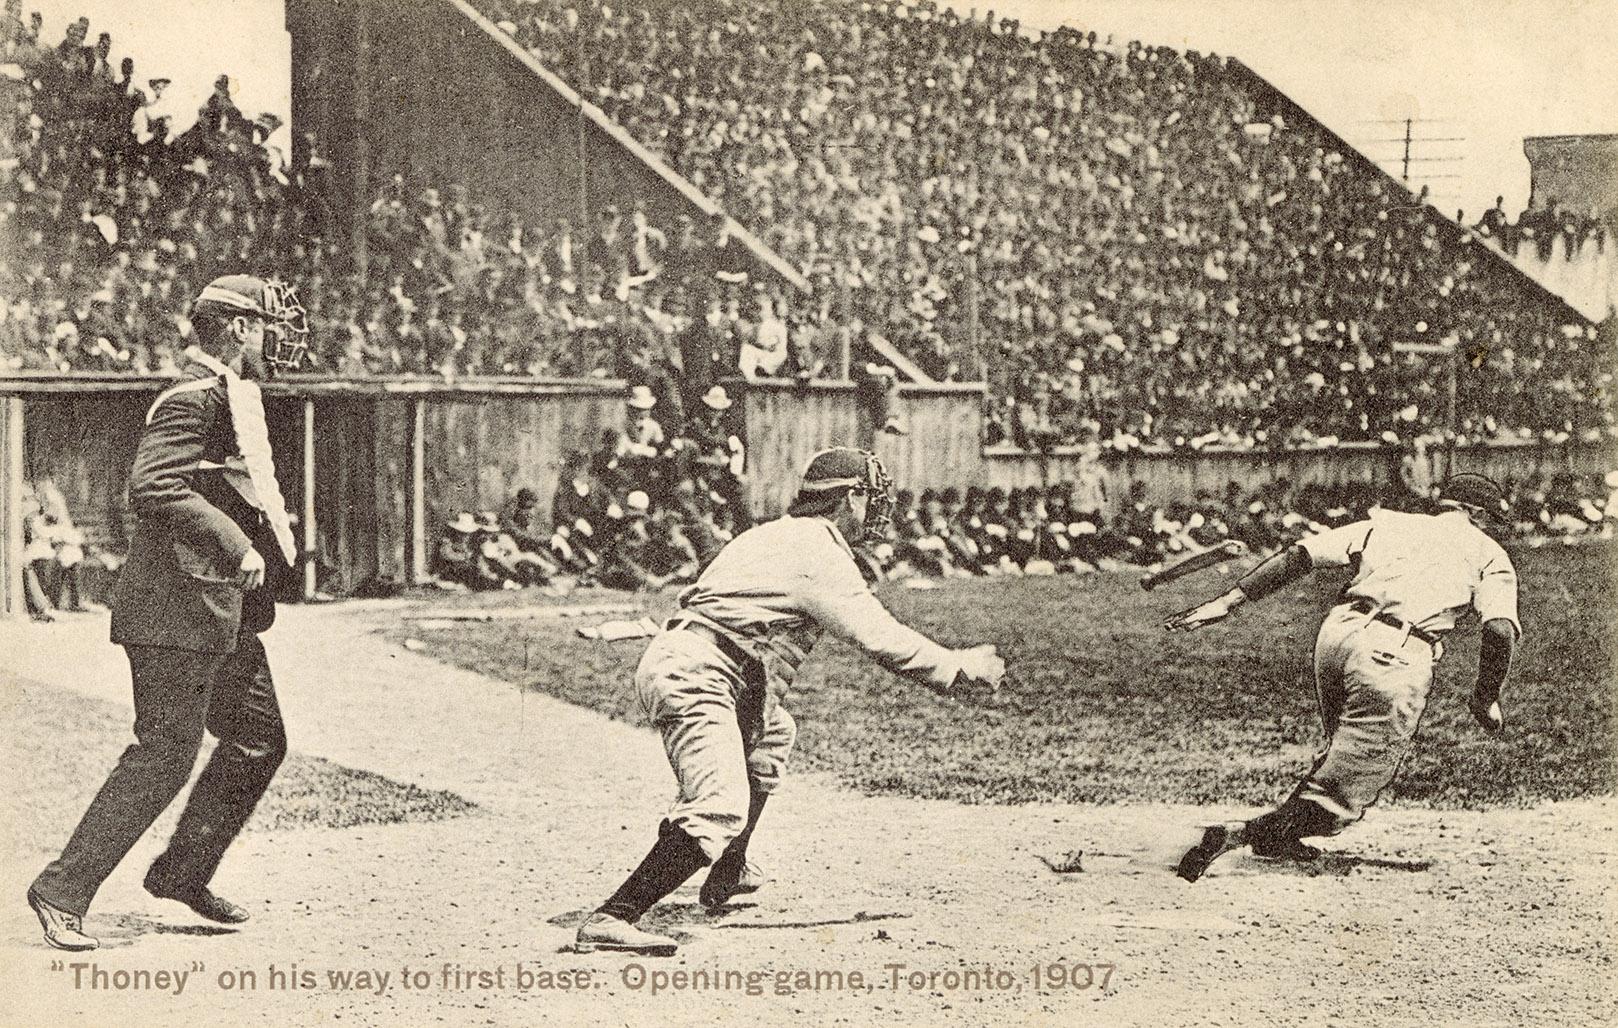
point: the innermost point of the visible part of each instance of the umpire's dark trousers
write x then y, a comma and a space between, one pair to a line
177, 694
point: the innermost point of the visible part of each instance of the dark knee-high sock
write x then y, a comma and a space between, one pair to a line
735, 856
1289, 822
673, 859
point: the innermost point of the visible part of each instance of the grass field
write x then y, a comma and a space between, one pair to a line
1106, 707
72, 741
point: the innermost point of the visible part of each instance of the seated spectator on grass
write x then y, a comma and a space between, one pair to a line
505, 560
631, 557
949, 523
672, 552
37, 556
522, 521
459, 557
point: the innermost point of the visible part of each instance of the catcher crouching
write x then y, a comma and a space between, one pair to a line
713, 680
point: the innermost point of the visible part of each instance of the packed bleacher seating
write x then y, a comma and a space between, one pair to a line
1215, 276
111, 224
1211, 273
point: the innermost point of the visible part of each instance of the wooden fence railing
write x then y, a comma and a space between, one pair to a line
372, 468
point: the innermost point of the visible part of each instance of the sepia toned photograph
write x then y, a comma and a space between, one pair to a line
864, 512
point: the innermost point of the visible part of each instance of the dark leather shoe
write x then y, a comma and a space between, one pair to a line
722, 884
1217, 840
62, 929
199, 899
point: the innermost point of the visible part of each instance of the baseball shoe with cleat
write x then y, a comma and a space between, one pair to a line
1217, 840
719, 889
603, 931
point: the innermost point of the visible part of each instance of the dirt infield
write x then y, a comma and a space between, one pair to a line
1442, 917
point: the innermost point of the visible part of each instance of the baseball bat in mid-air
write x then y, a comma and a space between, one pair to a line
1196, 562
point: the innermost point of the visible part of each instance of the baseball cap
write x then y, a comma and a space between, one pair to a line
230, 295
836, 468
1473, 490
843, 467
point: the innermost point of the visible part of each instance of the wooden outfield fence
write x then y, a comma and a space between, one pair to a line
369, 468
373, 468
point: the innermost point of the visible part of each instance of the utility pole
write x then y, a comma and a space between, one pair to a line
1404, 175
974, 314
1411, 155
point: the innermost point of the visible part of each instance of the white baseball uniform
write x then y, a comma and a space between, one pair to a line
1415, 573
714, 690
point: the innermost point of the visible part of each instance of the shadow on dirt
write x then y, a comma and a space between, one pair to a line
125, 929
1337, 865
859, 918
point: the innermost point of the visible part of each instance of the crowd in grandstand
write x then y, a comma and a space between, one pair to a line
648, 507
1216, 273
603, 533
1543, 226
111, 222
455, 289
1214, 270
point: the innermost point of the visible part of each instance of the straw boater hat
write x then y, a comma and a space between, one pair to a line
641, 398
464, 522
716, 399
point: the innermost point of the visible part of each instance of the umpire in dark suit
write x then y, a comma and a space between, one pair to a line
211, 542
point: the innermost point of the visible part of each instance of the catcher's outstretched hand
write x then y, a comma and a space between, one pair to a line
981, 667
1217, 609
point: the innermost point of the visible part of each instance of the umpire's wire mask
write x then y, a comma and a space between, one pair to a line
237, 307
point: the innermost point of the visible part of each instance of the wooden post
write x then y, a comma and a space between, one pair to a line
417, 563
974, 323
1452, 384
311, 538
581, 139
12, 601
360, 202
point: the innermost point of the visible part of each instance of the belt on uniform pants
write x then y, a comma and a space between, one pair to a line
1367, 607
728, 646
